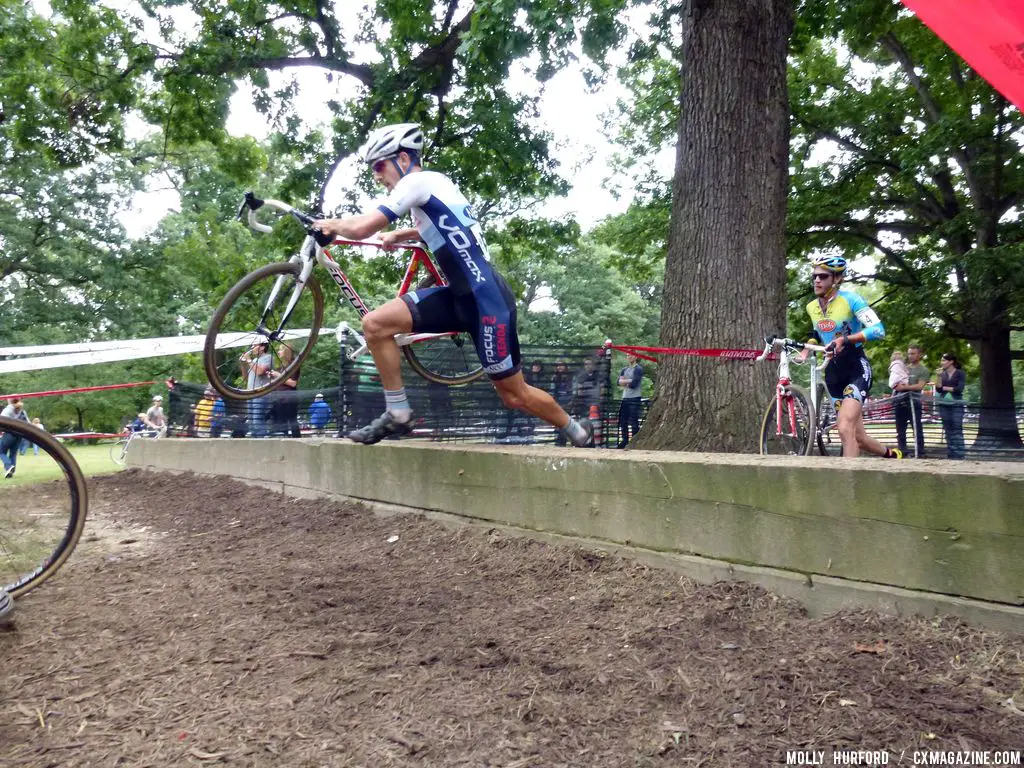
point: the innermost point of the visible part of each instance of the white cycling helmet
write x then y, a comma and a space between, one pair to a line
390, 140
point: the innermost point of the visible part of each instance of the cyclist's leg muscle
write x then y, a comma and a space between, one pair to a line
380, 327
387, 320
516, 393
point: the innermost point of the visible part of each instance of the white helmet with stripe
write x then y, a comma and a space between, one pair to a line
390, 140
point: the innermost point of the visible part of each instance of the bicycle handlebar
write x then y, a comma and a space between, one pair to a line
251, 204
770, 342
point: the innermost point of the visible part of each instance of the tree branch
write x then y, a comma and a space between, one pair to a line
360, 72
891, 43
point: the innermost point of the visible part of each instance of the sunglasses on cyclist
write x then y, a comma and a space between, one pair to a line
380, 165
820, 275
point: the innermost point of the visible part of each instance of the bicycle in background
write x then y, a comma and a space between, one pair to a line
119, 448
282, 305
797, 419
43, 505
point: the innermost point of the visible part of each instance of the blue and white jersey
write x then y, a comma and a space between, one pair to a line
442, 215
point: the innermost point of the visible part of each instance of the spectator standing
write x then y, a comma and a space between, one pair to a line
561, 388
949, 389
210, 413
285, 407
155, 418
320, 414
38, 425
10, 442
909, 408
255, 364
631, 380
589, 388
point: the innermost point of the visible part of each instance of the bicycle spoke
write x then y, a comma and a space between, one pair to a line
268, 307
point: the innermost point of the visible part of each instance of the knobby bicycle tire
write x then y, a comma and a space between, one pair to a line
210, 352
78, 507
801, 444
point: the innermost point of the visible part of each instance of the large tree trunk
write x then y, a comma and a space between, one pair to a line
725, 273
997, 422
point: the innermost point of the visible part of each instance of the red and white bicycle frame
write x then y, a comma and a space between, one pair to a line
312, 253
785, 410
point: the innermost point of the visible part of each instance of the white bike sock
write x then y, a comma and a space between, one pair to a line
398, 404
575, 432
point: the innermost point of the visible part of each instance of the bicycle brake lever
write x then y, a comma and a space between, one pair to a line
322, 238
249, 203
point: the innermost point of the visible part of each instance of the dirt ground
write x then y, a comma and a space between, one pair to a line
205, 622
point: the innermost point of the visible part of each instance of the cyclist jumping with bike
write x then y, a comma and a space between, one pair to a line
843, 322
476, 300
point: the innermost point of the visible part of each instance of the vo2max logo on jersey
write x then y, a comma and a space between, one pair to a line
460, 241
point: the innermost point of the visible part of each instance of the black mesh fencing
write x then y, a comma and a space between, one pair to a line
934, 428
579, 378
584, 381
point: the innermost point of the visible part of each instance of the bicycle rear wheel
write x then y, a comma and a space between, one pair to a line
43, 505
450, 359
827, 432
266, 306
796, 407
119, 451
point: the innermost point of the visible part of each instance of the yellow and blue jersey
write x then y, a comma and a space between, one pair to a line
846, 313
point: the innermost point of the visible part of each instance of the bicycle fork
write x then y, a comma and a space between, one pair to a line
782, 394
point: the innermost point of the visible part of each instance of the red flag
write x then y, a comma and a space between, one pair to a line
988, 34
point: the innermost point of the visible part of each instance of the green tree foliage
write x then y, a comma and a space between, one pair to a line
901, 154
444, 64
66, 80
925, 174
63, 255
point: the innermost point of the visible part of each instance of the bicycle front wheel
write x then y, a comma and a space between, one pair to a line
797, 433
450, 359
267, 306
119, 451
43, 504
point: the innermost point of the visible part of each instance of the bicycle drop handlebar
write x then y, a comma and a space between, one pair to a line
251, 204
770, 342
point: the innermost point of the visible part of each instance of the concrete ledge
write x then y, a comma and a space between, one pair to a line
897, 537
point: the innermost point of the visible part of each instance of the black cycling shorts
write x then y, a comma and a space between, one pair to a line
849, 376
488, 314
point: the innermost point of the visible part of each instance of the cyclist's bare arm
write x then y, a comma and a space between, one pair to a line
407, 235
354, 227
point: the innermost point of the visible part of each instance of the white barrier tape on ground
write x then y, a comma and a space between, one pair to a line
130, 350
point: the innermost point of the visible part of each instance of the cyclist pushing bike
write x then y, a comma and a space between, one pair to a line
843, 322
476, 300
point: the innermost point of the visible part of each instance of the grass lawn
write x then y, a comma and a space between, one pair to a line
93, 459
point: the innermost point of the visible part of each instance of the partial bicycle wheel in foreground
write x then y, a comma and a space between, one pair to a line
43, 502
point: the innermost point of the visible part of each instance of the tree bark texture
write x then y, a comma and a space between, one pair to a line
997, 420
725, 272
